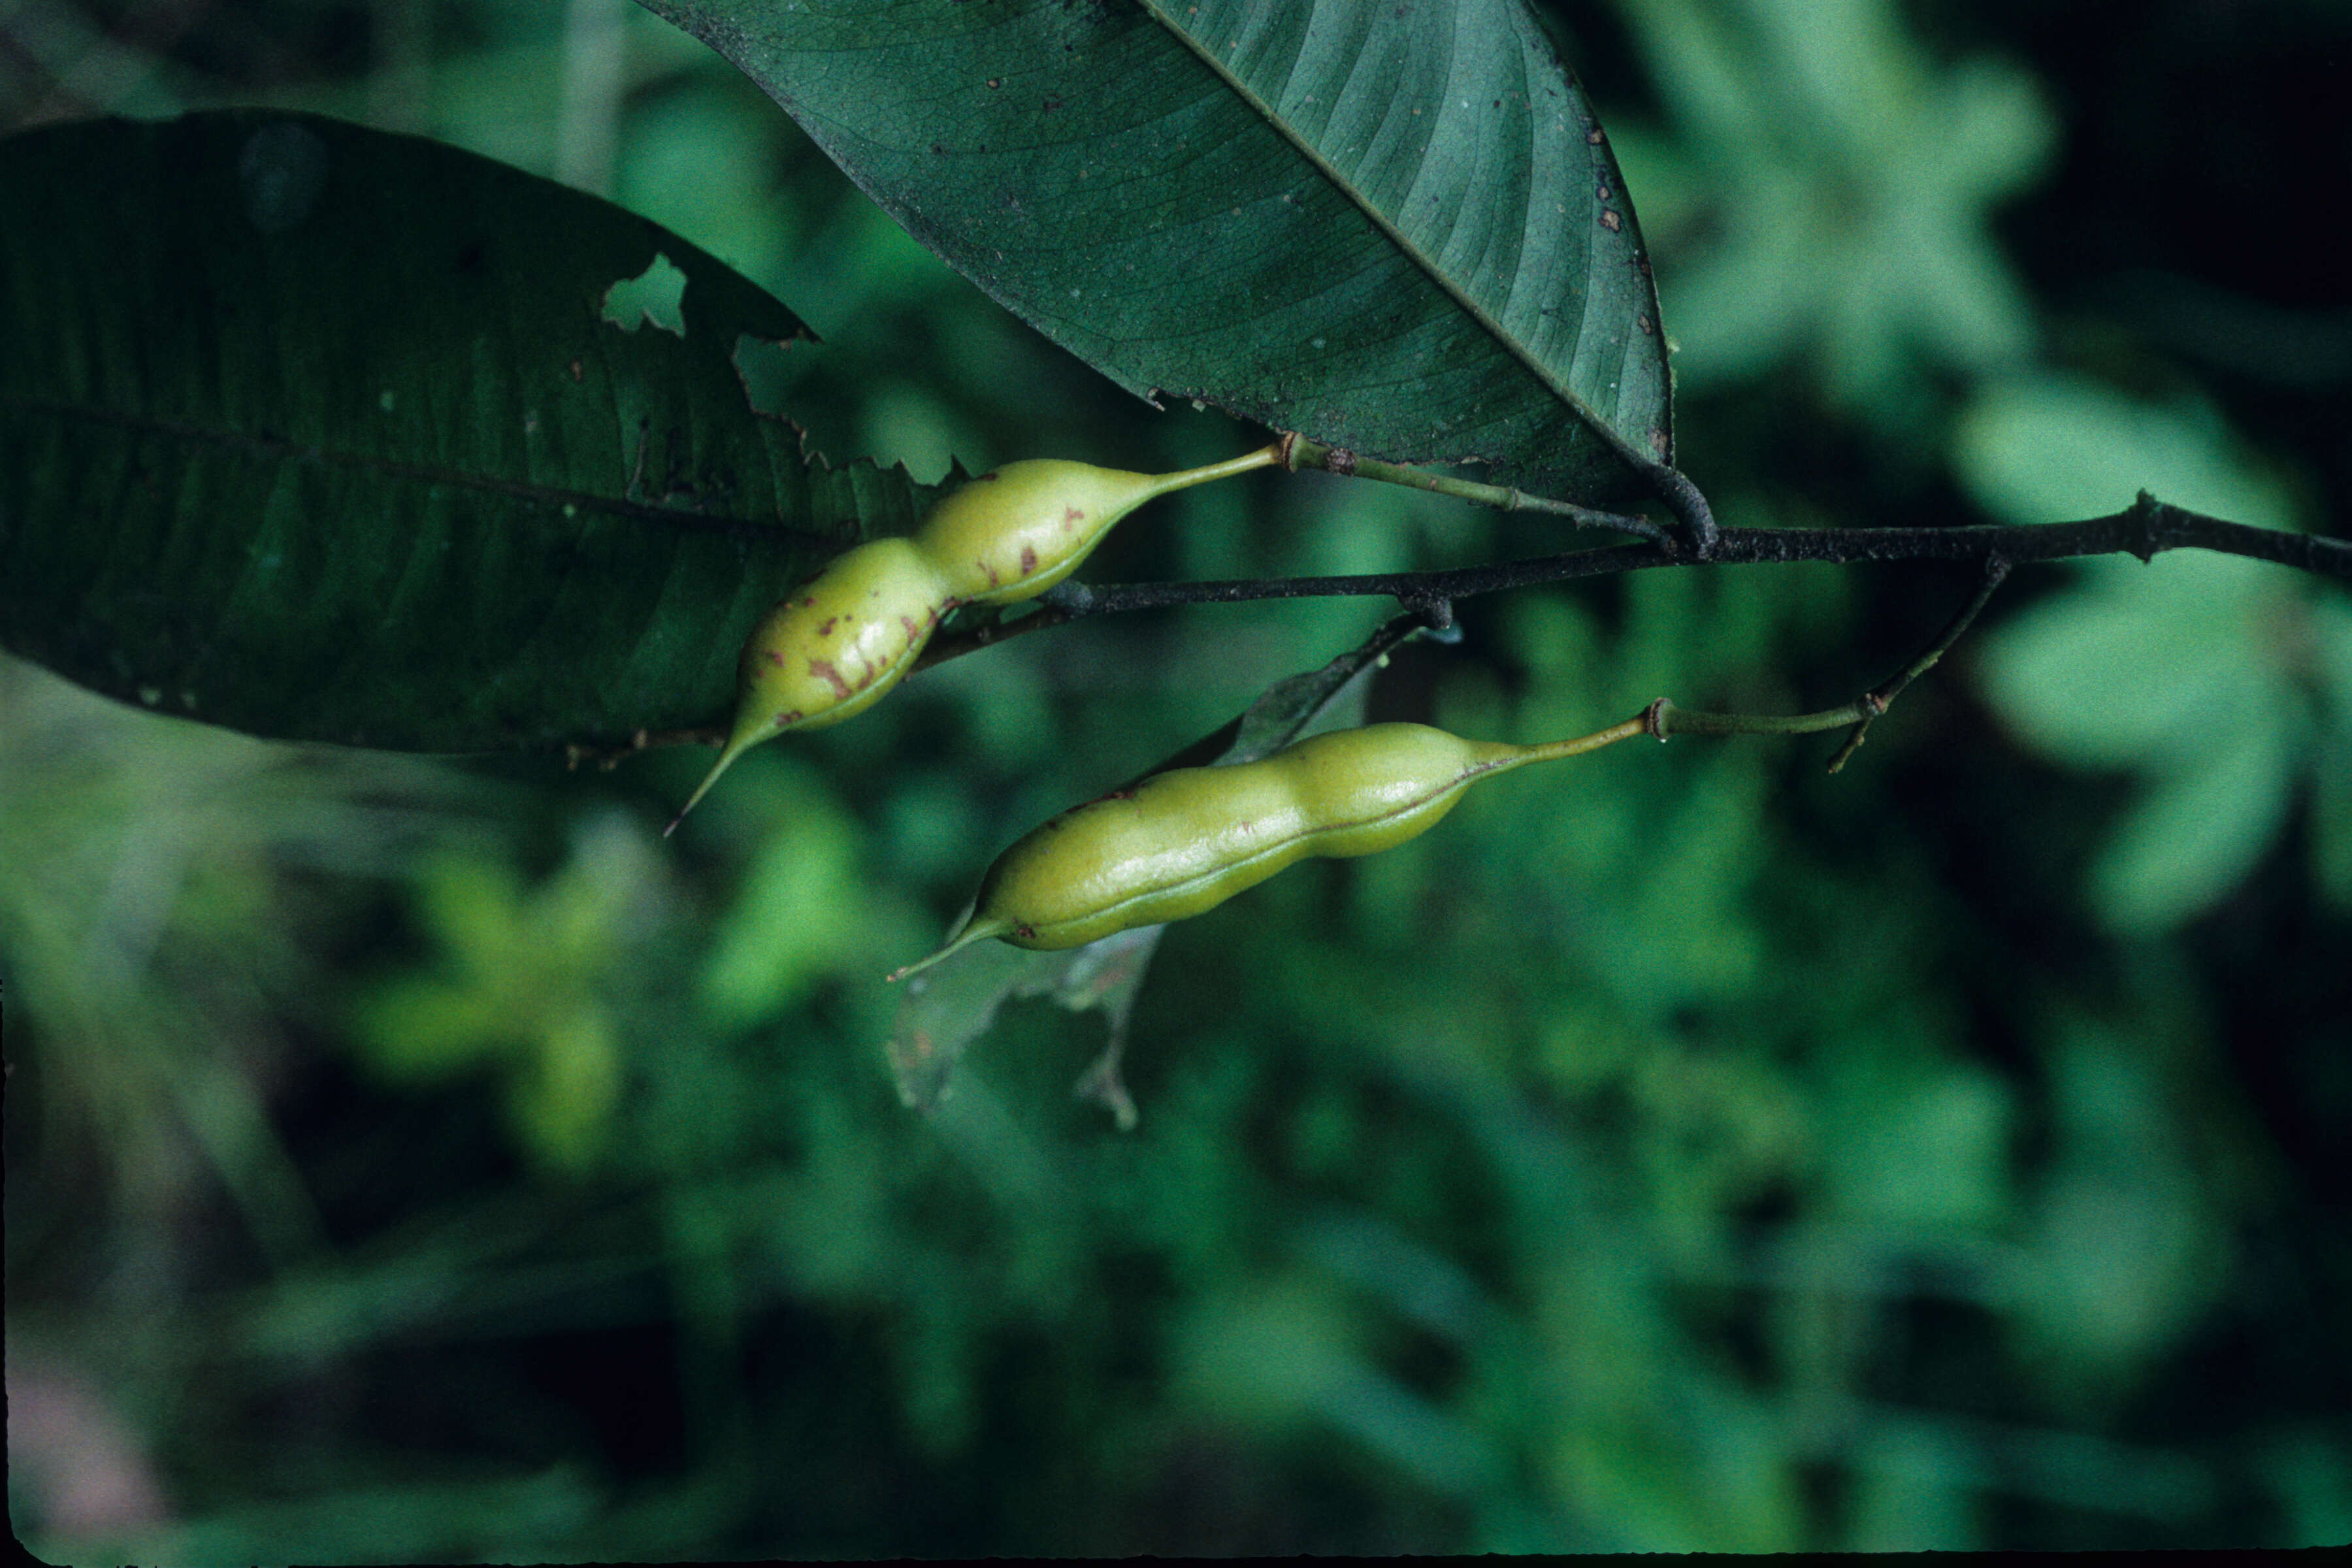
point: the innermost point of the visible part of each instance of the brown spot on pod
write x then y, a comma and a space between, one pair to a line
1072, 514
772, 657
827, 629
1028, 559
825, 670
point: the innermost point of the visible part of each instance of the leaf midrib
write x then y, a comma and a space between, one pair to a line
1158, 11
427, 473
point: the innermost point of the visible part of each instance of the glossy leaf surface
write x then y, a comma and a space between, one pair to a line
323, 433
1397, 230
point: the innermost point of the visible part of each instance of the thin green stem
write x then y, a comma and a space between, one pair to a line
1298, 452
1265, 456
972, 931
1663, 718
1880, 698
1578, 745
1681, 497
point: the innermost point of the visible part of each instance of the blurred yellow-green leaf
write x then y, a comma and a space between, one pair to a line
521, 986
2196, 672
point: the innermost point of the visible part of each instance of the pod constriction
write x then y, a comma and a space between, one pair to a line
1184, 841
839, 642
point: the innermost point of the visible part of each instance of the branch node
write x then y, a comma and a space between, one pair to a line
1853, 740
1436, 613
1663, 537
1654, 719
2145, 513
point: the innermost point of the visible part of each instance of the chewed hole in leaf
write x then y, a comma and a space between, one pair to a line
657, 295
768, 371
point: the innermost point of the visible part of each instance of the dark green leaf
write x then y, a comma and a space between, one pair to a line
1321, 699
1395, 228
327, 433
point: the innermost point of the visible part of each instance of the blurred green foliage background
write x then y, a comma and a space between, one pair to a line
423, 1161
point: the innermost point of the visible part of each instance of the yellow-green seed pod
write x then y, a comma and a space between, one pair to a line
836, 644
1184, 841
1014, 534
833, 647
